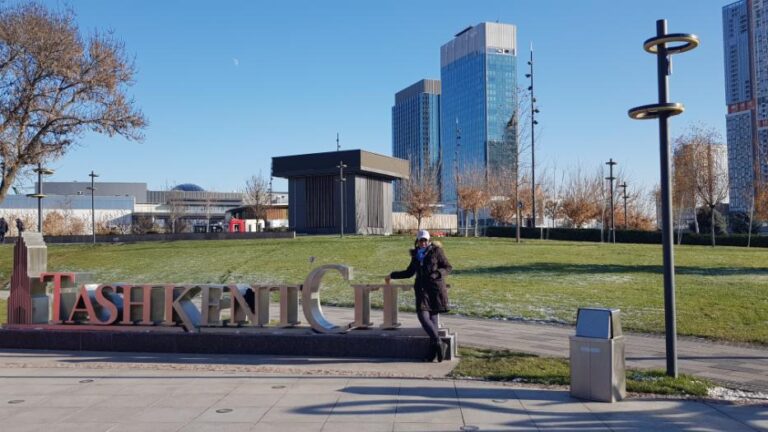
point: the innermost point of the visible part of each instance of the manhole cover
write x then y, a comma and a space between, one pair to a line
469, 428
224, 410
86, 381
278, 387
15, 401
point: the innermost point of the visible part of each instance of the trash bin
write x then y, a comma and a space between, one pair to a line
597, 356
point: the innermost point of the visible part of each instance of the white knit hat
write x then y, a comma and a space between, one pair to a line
422, 234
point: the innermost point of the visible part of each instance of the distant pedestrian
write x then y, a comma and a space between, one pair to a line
19, 226
3, 229
429, 264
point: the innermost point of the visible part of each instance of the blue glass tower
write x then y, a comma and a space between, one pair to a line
478, 70
416, 130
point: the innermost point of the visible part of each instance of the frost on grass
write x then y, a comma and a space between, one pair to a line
723, 393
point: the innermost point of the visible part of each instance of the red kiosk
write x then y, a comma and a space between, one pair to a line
236, 225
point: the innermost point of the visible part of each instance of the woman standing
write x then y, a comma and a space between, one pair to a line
429, 264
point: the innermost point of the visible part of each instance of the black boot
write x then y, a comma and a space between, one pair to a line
434, 348
442, 351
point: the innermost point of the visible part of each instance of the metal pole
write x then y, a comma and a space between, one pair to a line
341, 167
93, 175
533, 142
663, 70
39, 198
39, 194
611, 178
678, 43
624, 195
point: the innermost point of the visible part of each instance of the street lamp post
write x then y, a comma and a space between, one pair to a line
663, 45
534, 111
41, 171
342, 180
624, 196
517, 233
611, 178
93, 175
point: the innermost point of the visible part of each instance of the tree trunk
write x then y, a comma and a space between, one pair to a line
695, 220
712, 215
474, 214
751, 215
418, 222
466, 223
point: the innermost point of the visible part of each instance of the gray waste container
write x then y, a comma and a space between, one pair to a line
597, 356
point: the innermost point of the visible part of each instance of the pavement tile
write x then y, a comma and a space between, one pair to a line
287, 426
304, 399
67, 427
407, 426
191, 400
364, 411
129, 401
362, 426
68, 401
297, 415
148, 426
218, 427
755, 416
38, 415
106, 414
250, 400
236, 415
166, 415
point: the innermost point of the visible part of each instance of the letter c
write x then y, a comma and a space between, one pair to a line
310, 298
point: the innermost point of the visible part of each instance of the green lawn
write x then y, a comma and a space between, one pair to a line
722, 292
502, 365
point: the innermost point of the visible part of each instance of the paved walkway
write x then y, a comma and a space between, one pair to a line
745, 367
120, 392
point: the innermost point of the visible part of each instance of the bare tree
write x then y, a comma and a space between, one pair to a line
256, 196
56, 85
421, 193
640, 208
502, 203
707, 164
473, 194
582, 197
208, 209
176, 211
142, 225
685, 198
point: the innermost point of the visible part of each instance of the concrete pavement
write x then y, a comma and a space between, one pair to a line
121, 392
740, 366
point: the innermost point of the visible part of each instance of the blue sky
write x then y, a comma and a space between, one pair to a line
228, 85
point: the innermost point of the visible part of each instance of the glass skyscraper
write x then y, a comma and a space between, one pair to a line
478, 71
745, 43
416, 131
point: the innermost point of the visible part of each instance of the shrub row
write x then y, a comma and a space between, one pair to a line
630, 236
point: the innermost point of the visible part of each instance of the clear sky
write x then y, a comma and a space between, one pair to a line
227, 85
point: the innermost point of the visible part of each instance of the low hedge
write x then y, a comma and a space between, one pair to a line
629, 236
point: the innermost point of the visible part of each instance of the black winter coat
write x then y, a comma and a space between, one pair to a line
429, 287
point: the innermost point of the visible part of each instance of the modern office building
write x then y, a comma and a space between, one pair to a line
745, 41
416, 132
478, 70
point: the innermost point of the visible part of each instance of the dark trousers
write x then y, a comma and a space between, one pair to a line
428, 322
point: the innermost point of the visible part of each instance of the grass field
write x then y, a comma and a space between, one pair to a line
722, 292
495, 365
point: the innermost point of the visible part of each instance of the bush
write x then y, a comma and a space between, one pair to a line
704, 217
738, 223
646, 237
